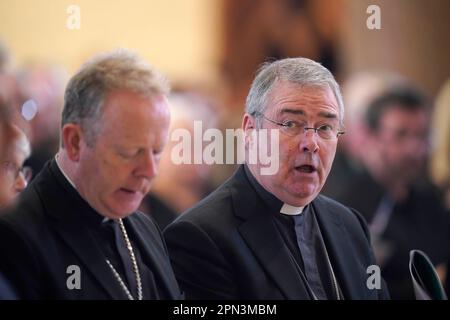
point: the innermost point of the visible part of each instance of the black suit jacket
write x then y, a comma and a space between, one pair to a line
44, 234
228, 247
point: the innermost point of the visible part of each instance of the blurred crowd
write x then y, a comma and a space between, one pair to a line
392, 165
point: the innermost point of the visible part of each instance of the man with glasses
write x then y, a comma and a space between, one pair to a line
272, 236
13, 175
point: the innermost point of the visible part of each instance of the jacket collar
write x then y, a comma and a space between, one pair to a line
260, 233
70, 211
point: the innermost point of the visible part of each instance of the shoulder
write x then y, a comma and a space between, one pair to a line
144, 222
210, 221
349, 217
26, 217
146, 228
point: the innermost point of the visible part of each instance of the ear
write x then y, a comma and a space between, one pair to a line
248, 125
72, 137
248, 122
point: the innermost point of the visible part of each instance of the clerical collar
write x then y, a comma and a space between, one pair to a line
275, 204
291, 210
62, 171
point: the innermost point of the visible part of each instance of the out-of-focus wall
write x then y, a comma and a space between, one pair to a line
180, 37
414, 40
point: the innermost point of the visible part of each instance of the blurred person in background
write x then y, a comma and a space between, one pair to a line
358, 91
42, 89
14, 177
181, 186
402, 208
6, 289
440, 156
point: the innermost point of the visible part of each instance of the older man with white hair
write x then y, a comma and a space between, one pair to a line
272, 236
75, 232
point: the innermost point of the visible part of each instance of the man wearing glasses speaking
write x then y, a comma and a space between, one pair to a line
273, 236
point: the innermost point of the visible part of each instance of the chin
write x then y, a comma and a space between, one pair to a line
122, 211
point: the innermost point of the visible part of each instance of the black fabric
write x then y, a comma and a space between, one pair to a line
228, 247
158, 210
286, 228
419, 222
303, 249
307, 237
125, 266
7, 291
53, 228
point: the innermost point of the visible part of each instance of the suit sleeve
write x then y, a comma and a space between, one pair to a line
199, 265
383, 293
18, 263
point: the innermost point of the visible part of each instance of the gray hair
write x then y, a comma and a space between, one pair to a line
300, 71
87, 90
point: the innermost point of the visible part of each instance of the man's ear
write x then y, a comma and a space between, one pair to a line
248, 125
72, 137
248, 122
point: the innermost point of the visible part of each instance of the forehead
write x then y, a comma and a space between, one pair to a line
308, 99
127, 114
397, 116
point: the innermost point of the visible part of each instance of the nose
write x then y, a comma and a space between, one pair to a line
148, 166
20, 183
308, 142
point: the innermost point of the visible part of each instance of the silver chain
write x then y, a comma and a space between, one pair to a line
135, 267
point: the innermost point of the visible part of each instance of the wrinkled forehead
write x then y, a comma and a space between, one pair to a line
299, 99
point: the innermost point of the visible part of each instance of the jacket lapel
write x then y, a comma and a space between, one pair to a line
349, 272
260, 233
81, 241
64, 207
158, 262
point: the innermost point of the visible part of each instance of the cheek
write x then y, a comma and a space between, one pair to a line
327, 154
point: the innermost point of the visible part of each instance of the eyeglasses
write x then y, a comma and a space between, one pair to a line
294, 128
25, 171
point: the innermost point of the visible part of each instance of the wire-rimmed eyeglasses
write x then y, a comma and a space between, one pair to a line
25, 171
294, 128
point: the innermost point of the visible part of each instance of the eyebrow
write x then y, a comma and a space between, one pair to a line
328, 115
293, 111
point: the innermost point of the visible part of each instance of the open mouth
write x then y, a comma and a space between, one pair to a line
306, 168
129, 191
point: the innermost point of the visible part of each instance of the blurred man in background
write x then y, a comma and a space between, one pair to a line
13, 175
181, 185
393, 193
353, 149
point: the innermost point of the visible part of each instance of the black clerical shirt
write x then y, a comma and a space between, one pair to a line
105, 241
301, 235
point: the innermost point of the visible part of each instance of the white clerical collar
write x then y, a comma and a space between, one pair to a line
62, 171
291, 210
